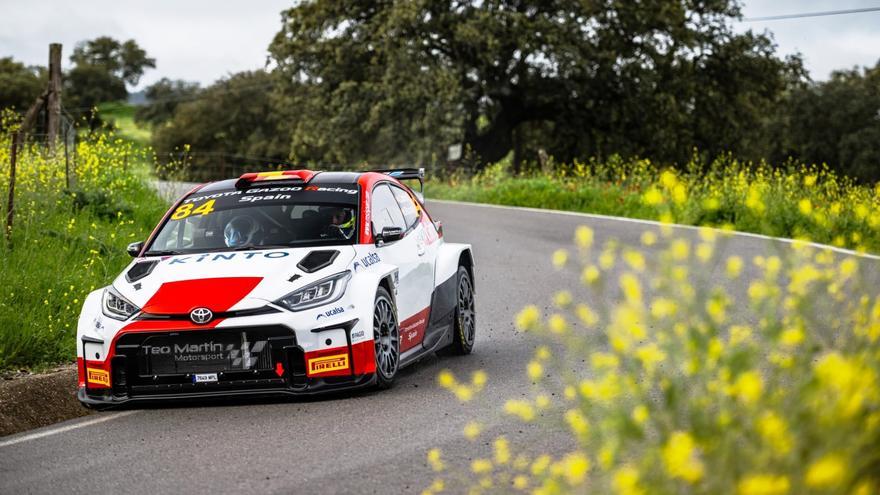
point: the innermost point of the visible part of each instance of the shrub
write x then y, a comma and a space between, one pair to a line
795, 201
66, 241
698, 372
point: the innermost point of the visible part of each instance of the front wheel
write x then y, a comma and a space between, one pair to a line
465, 316
386, 339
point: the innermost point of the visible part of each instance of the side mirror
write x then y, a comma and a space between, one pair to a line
134, 249
390, 234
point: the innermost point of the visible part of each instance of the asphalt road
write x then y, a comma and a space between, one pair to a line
373, 442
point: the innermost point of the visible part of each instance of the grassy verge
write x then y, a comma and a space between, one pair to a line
67, 240
121, 115
809, 203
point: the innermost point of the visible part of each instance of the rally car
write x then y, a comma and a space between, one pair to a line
290, 282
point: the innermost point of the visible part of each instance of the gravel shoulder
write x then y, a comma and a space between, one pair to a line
32, 400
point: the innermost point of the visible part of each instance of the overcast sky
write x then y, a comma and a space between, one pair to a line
203, 40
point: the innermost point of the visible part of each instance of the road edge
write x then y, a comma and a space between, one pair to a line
655, 223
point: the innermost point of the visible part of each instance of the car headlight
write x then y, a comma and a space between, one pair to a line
324, 291
116, 306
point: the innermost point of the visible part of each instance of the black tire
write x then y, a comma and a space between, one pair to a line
386, 339
465, 330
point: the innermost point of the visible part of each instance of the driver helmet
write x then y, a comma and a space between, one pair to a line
339, 219
240, 231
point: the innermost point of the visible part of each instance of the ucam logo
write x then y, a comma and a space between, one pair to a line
330, 312
368, 260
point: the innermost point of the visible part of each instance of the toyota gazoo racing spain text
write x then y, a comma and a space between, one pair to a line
293, 282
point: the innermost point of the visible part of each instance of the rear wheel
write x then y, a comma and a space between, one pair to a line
386, 339
465, 316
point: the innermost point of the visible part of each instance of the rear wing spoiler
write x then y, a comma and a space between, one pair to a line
408, 174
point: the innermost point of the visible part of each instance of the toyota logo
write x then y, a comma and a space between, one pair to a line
200, 316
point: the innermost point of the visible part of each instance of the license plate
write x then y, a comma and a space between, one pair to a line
205, 377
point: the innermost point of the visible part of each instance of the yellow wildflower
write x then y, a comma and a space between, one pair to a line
586, 315
560, 258
534, 370
446, 379
435, 461
680, 249
577, 422
521, 409
653, 197
634, 259
583, 236
562, 299
539, 466
734, 266
502, 451
640, 414
557, 324
626, 481
631, 287
481, 466
748, 387
828, 472
590, 274
681, 458
472, 430
575, 466
528, 318
763, 484
774, 430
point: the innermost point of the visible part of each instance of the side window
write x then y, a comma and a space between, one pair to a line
386, 212
410, 212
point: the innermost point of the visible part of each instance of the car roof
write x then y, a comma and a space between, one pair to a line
316, 178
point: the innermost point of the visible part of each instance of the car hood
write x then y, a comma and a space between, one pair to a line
226, 280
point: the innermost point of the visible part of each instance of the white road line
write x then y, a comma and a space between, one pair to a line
54, 431
656, 224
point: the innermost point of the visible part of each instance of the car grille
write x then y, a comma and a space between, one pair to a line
165, 362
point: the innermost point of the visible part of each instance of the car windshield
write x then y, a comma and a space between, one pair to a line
258, 218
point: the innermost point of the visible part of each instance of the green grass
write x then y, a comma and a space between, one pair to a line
794, 201
67, 241
121, 115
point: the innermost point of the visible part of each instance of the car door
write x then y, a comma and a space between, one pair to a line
426, 247
413, 296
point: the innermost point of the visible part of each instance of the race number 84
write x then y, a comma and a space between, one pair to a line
186, 210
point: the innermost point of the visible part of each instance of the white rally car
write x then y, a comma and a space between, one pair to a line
293, 282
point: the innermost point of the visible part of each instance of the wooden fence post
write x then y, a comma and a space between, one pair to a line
66, 158
54, 99
10, 202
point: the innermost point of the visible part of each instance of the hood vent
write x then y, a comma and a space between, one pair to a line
140, 270
316, 260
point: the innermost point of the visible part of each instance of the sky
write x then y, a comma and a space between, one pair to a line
204, 40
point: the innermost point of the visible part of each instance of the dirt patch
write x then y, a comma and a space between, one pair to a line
38, 399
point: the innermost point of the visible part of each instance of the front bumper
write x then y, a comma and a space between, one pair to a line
106, 399
243, 361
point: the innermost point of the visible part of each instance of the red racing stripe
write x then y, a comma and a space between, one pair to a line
216, 294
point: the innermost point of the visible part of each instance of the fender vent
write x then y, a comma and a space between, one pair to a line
317, 260
140, 270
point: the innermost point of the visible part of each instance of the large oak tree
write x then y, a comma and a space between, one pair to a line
399, 81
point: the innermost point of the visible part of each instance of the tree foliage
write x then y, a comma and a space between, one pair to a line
836, 122
400, 81
125, 60
102, 68
20, 85
163, 97
233, 122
